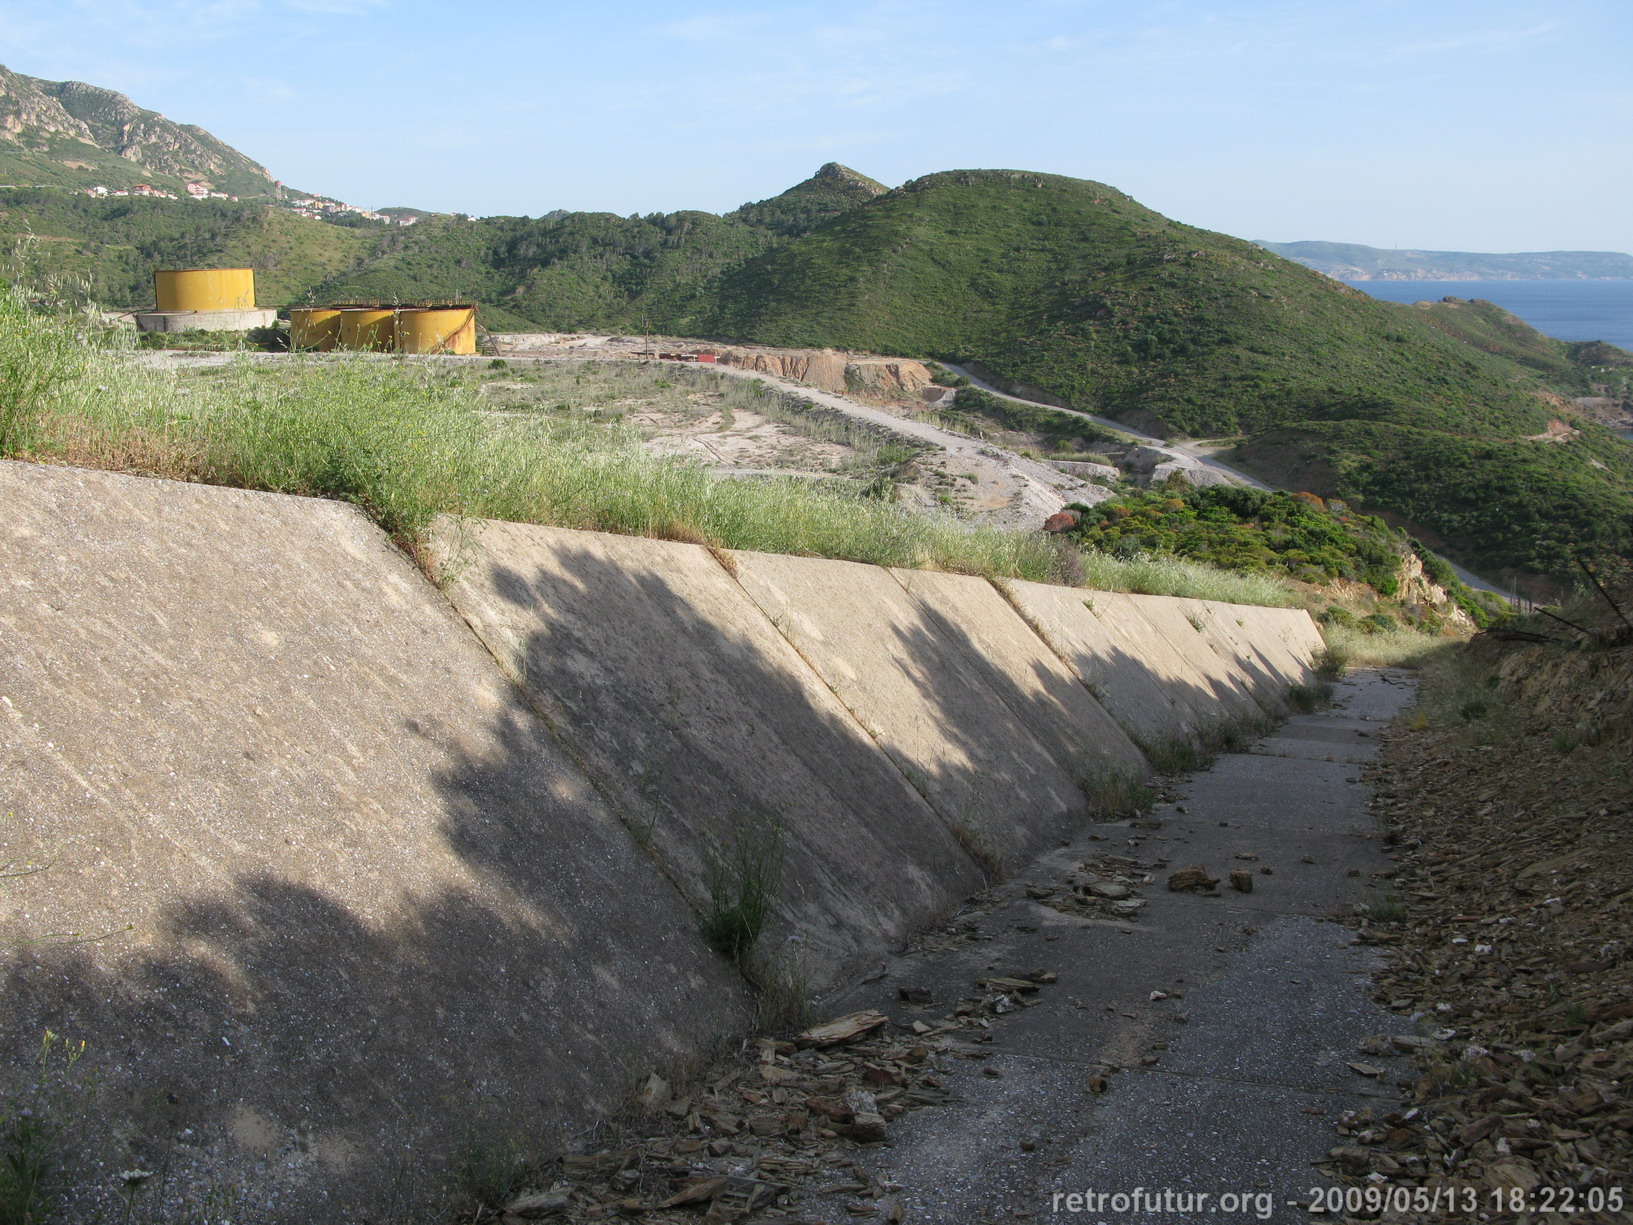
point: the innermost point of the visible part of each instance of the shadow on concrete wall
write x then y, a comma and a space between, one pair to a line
695, 729
320, 1056
300, 1055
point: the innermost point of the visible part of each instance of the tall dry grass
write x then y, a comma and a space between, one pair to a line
406, 444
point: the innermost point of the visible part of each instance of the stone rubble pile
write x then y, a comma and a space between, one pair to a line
785, 1121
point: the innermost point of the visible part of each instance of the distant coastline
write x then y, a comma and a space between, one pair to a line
1583, 308
1348, 277
1345, 261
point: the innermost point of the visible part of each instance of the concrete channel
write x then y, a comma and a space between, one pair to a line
1202, 1050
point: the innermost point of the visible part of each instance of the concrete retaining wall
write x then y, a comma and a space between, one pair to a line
329, 882
709, 732
912, 686
1148, 701
319, 891
1224, 690
1036, 683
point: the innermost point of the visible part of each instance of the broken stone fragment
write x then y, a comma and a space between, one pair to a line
539, 1203
1241, 880
654, 1093
1003, 983
842, 1029
1194, 879
699, 1192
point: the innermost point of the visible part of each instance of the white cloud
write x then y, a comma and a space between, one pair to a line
1478, 41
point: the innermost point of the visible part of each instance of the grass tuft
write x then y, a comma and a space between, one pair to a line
742, 893
1149, 575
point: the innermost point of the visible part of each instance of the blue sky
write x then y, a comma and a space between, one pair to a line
1494, 125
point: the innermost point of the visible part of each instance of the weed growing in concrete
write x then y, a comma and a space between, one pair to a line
1176, 756
782, 997
989, 861
491, 1174
1332, 663
742, 892
30, 1159
28, 1164
1389, 910
1309, 698
1114, 794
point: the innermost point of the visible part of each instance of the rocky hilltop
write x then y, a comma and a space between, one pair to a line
68, 133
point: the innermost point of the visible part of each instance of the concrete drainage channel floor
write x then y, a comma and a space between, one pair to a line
1223, 1026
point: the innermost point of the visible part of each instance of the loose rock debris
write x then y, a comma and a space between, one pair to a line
782, 1122
1508, 941
1106, 887
1194, 879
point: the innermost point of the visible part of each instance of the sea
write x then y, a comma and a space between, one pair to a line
1565, 310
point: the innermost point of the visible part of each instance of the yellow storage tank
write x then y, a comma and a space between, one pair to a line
437, 329
314, 327
367, 328
204, 289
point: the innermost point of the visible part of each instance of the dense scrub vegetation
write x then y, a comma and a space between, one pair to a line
1296, 535
108, 248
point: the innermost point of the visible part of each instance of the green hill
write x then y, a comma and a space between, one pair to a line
1074, 288
110, 247
1437, 416
566, 271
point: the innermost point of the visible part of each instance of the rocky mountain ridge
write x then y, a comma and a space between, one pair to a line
68, 133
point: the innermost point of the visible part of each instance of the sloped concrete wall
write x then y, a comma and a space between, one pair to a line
1299, 640
1184, 662
913, 687
1265, 663
1035, 682
330, 882
710, 732
1157, 708
1227, 689
317, 888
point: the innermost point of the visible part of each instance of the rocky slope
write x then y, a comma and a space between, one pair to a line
1507, 796
69, 133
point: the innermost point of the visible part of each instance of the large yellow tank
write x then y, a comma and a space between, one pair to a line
367, 328
437, 329
314, 327
204, 289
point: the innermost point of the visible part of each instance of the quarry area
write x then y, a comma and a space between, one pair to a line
1004, 477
